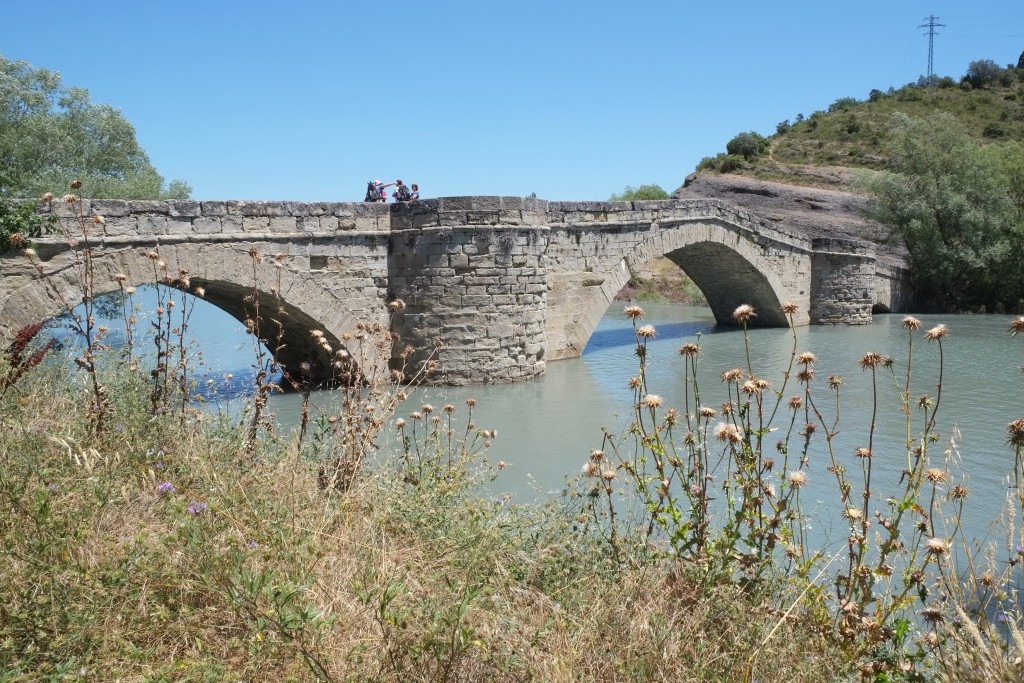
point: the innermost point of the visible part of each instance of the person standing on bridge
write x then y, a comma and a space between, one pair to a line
402, 193
375, 191
415, 195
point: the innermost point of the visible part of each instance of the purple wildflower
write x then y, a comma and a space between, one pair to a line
165, 487
196, 508
253, 544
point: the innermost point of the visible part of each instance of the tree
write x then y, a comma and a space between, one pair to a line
982, 72
959, 209
748, 145
51, 134
642, 193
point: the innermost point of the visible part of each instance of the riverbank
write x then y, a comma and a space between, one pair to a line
146, 540
163, 548
662, 281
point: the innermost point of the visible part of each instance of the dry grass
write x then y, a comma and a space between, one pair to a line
107, 578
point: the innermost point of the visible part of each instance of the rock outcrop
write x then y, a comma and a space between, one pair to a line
813, 211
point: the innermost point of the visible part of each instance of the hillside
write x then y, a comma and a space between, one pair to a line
804, 174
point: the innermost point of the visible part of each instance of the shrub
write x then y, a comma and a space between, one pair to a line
20, 223
749, 145
983, 72
642, 193
843, 104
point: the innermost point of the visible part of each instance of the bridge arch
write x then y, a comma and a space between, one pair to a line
242, 279
731, 264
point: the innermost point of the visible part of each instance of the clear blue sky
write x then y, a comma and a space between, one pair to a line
565, 98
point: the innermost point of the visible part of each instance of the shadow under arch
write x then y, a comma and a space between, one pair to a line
728, 280
285, 330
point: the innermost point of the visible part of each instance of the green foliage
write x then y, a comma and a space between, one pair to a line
51, 134
983, 72
642, 193
957, 207
749, 145
722, 163
843, 104
20, 223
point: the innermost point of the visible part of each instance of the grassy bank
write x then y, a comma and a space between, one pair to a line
163, 551
148, 538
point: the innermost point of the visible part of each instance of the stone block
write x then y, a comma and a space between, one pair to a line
184, 207
111, 208
251, 223
213, 208
282, 224
148, 206
179, 225
151, 224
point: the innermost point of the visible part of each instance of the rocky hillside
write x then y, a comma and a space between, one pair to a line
802, 176
814, 211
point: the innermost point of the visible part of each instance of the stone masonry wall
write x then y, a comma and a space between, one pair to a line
471, 275
842, 282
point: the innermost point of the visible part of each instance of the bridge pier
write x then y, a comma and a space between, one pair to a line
474, 294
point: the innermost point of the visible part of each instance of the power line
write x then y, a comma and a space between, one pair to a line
931, 26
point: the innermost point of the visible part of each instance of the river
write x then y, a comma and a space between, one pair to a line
547, 427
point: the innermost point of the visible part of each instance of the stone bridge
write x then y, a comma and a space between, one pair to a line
494, 287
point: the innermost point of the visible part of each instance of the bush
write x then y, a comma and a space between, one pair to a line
982, 72
642, 193
749, 145
20, 223
843, 104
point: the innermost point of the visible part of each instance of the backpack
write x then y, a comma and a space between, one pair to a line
372, 192
402, 194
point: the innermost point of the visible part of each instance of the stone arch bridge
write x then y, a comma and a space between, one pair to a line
494, 287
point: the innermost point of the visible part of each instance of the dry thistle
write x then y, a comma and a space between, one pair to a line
652, 401
743, 313
911, 323
646, 332
1015, 430
689, 350
634, 312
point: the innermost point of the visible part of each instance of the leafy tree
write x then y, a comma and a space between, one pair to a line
748, 145
959, 209
51, 134
843, 104
642, 193
982, 72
